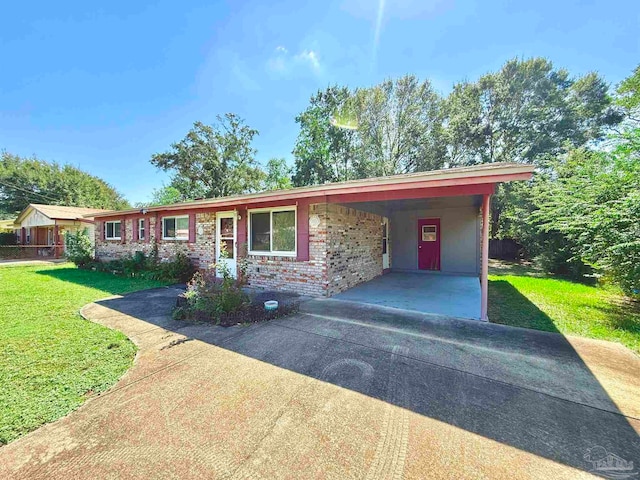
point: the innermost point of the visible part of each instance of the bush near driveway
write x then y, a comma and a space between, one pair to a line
51, 359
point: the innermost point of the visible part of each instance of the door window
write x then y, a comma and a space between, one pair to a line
385, 236
227, 237
429, 233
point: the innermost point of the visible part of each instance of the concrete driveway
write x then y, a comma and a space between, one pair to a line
342, 390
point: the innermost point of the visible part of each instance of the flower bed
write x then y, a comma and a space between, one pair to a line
223, 300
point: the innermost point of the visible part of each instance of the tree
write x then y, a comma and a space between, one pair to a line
278, 175
399, 128
166, 195
595, 203
30, 180
393, 127
213, 161
527, 112
323, 152
629, 92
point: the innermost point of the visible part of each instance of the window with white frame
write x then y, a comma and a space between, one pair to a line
272, 231
175, 228
141, 231
112, 230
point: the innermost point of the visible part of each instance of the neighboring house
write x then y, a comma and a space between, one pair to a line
42, 227
6, 226
324, 239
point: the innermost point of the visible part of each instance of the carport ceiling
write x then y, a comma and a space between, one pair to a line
387, 207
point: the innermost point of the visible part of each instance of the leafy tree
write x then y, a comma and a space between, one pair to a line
595, 203
278, 175
323, 152
629, 92
166, 195
527, 112
30, 180
79, 249
393, 127
400, 128
213, 161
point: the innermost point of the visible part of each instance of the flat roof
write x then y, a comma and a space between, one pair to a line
477, 174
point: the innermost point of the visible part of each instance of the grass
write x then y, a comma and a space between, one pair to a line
522, 296
51, 359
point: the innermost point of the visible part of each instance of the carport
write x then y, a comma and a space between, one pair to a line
441, 294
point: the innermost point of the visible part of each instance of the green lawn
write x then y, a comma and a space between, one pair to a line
522, 296
52, 360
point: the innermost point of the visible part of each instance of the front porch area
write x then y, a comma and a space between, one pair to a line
450, 295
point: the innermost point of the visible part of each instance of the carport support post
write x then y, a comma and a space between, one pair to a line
484, 275
56, 241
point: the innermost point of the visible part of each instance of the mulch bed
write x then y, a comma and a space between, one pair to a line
252, 313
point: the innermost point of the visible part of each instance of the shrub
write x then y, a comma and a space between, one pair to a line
8, 238
212, 296
133, 265
216, 292
179, 268
79, 249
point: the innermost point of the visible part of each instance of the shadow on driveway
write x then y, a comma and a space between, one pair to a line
527, 389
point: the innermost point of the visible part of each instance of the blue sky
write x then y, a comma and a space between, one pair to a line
103, 88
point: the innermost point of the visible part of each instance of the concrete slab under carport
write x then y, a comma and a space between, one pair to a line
442, 294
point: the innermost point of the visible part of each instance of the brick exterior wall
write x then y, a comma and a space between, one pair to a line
284, 273
354, 247
202, 252
345, 248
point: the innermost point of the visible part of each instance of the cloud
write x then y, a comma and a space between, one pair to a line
310, 57
283, 63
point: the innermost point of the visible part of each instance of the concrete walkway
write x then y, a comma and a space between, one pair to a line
26, 263
341, 391
452, 295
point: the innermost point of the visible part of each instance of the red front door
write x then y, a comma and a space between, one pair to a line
429, 244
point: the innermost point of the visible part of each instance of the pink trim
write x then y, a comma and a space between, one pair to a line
158, 228
302, 221
123, 230
241, 234
288, 197
147, 231
134, 229
100, 226
192, 228
450, 191
56, 241
484, 276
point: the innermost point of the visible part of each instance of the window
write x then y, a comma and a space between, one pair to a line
141, 229
429, 233
175, 228
385, 236
227, 236
273, 232
112, 230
